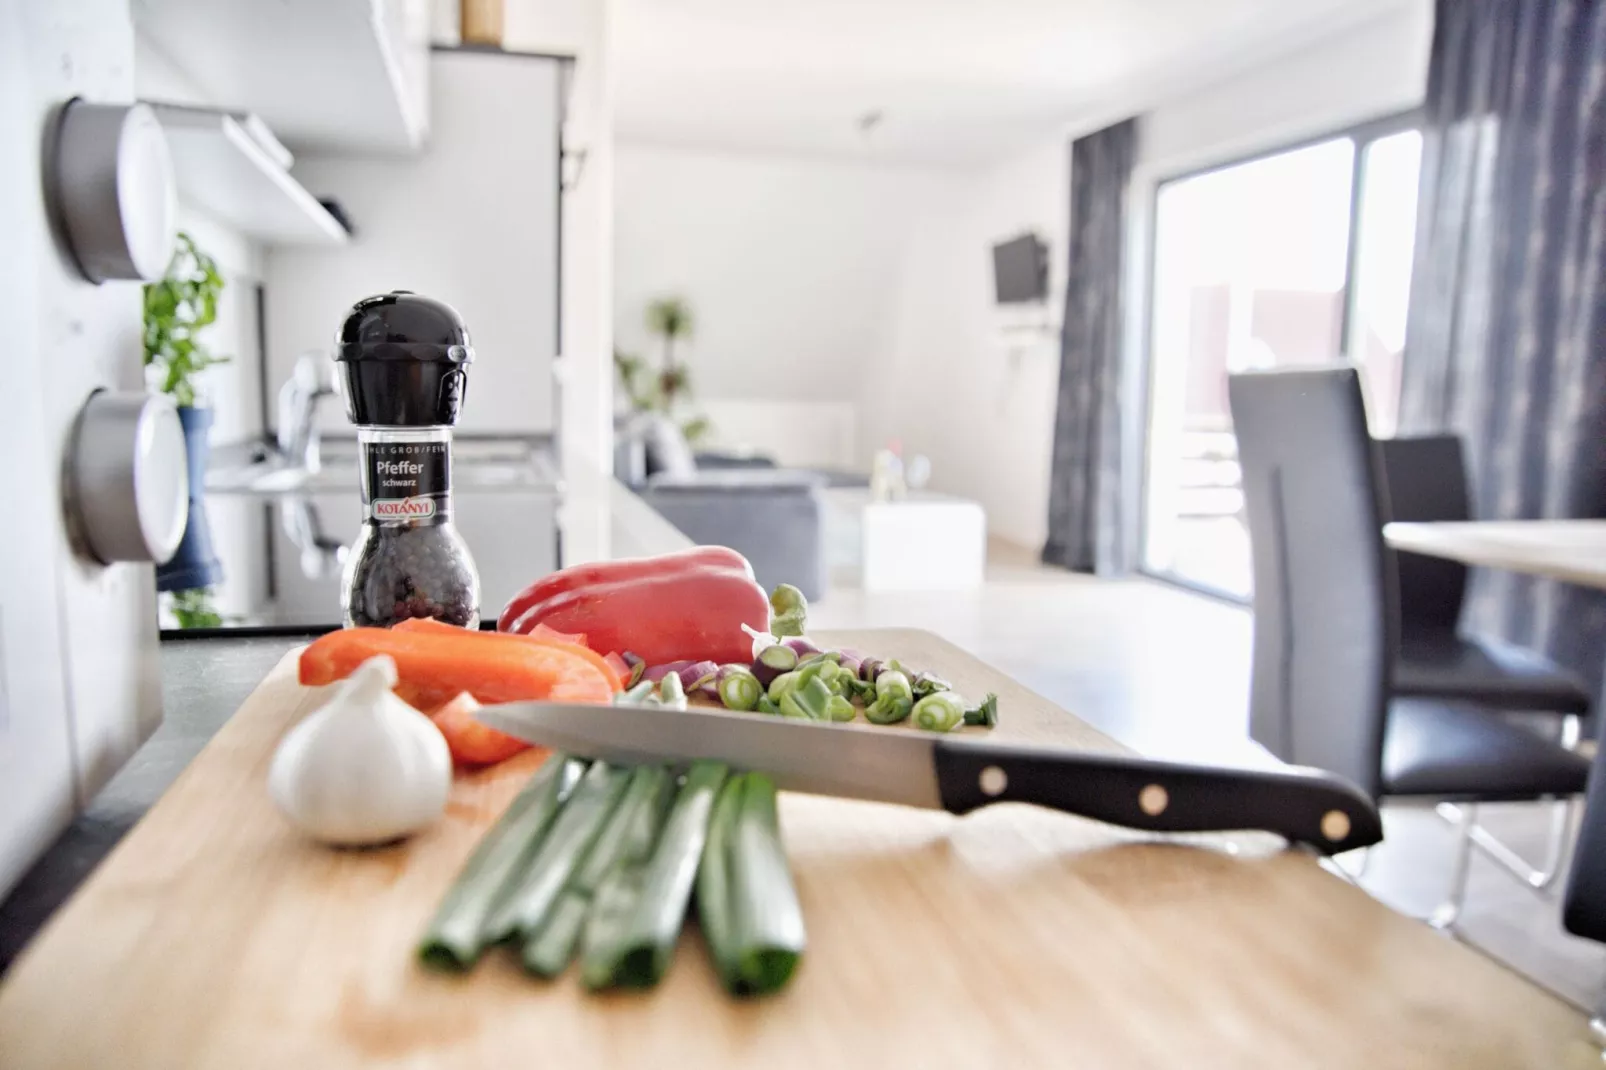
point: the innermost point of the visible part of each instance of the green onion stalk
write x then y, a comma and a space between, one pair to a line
636, 915
746, 902
626, 839
459, 931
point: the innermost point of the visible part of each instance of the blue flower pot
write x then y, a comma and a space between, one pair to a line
195, 564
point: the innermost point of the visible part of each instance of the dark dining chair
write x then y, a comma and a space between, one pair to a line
1326, 625
1426, 480
1583, 905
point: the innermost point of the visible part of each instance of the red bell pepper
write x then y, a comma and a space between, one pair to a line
688, 605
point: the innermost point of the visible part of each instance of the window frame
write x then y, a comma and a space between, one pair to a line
1362, 134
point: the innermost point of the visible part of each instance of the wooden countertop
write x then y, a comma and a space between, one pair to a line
214, 936
1573, 551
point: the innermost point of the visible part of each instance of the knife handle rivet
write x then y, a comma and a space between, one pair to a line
1153, 800
993, 780
1335, 825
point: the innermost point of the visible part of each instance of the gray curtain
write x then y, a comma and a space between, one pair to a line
1087, 513
1507, 336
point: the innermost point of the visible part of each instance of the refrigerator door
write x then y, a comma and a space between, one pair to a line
79, 675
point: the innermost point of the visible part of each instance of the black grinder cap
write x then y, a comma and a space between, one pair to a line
404, 358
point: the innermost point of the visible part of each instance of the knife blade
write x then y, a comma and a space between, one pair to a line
960, 774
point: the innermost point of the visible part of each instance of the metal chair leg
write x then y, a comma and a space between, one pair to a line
1563, 818
1444, 917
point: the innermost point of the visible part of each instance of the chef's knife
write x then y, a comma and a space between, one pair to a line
958, 773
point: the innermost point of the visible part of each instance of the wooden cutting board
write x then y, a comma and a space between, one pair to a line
214, 936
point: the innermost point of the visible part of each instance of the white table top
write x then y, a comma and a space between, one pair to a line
1573, 551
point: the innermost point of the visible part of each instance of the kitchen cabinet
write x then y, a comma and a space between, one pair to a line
325, 75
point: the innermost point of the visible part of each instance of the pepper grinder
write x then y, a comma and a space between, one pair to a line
404, 360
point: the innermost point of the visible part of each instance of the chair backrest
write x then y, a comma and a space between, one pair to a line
1325, 611
1427, 481
1583, 908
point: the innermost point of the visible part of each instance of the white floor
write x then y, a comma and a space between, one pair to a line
1166, 671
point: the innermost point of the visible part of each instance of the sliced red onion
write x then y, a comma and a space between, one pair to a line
691, 673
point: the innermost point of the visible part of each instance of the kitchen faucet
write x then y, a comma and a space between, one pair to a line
311, 379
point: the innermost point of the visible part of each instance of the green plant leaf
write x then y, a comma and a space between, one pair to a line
178, 306
670, 317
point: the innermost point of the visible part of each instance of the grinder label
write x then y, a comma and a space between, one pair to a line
407, 482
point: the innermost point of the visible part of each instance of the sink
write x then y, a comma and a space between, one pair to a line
477, 465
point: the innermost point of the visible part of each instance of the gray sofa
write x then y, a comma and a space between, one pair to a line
772, 516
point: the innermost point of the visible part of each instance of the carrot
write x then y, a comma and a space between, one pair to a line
435, 662
471, 742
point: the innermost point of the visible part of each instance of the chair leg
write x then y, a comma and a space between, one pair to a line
1563, 817
1444, 917
1572, 731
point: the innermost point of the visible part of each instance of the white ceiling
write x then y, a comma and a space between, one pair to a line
960, 81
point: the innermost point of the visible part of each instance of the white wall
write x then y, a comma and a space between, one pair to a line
470, 220
790, 265
982, 408
811, 279
1373, 70
970, 384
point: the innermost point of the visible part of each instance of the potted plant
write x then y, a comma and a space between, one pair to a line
671, 319
178, 307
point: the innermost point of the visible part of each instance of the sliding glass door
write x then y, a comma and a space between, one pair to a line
1298, 257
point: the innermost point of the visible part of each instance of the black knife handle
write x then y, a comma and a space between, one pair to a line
1302, 805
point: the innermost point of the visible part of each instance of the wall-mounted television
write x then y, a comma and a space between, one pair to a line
1020, 270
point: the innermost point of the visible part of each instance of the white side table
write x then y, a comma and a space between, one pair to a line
925, 542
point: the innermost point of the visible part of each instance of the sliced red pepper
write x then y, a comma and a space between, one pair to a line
434, 662
471, 742
620, 666
691, 605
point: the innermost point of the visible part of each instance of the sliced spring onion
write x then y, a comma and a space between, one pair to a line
739, 689
524, 908
635, 694
810, 700
984, 714
941, 711
788, 611
779, 657
888, 709
457, 934
671, 691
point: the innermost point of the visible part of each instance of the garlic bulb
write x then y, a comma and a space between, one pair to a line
366, 768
